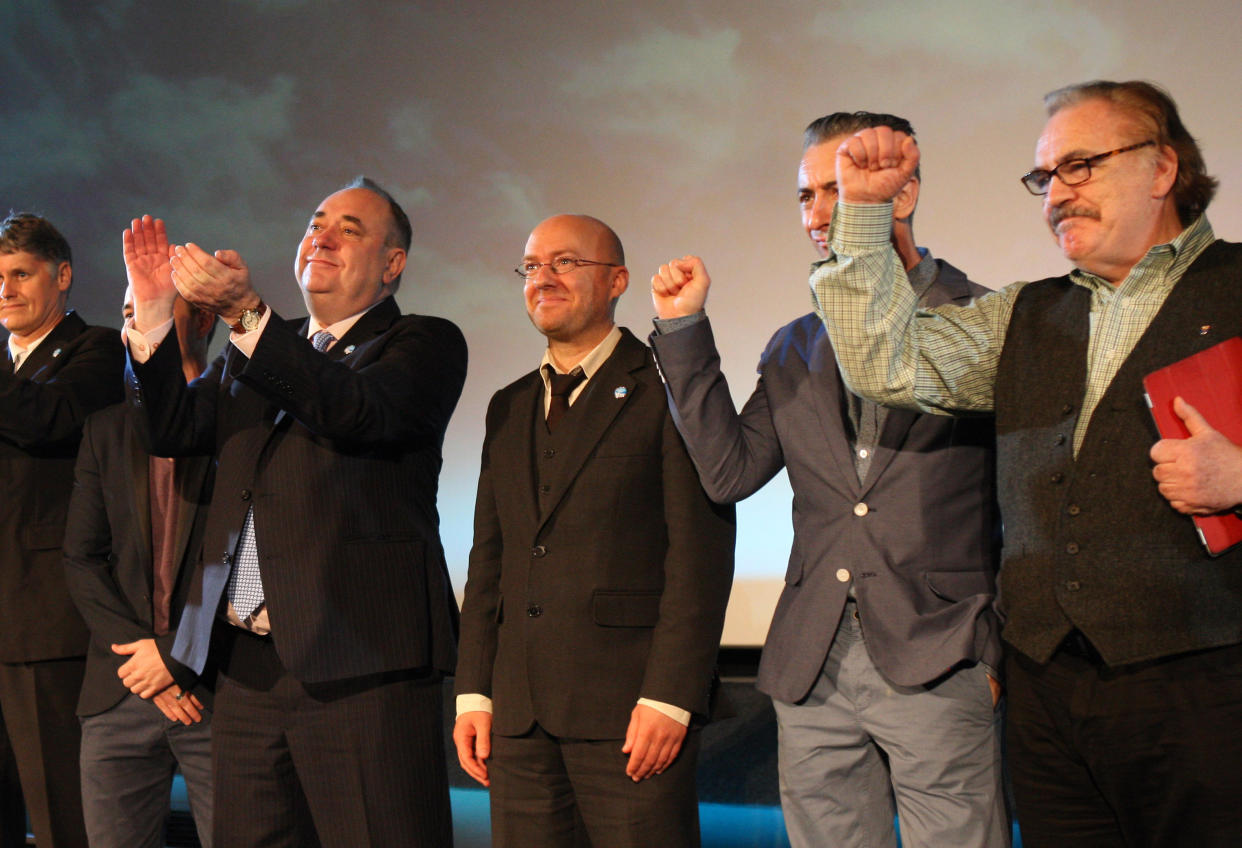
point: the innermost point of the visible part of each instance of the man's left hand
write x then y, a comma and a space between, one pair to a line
653, 741
144, 673
218, 283
1201, 474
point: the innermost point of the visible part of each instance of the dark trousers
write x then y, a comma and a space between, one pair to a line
346, 764
1141, 755
573, 793
39, 730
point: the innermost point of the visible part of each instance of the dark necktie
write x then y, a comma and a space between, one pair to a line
562, 386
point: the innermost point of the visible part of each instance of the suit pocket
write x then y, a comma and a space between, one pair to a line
621, 608
43, 537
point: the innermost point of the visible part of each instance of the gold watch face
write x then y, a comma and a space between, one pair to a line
250, 319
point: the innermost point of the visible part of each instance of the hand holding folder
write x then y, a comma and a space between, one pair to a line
1197, 406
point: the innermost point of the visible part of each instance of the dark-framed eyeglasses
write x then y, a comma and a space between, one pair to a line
1072, 172
559, 265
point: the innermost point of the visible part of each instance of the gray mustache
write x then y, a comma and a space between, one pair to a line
1056, 216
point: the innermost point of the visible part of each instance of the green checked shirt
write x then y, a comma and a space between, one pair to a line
944, 360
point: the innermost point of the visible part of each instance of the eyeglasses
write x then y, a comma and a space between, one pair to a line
559, 265
1072, 172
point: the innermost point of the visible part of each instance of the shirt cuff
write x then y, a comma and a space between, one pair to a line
473, 703
142, 345
677, 714
861, 225
664, 326
247, 342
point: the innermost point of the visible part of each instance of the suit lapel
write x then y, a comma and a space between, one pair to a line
49, 351
897, 423
829, 398
189, 482
593, 412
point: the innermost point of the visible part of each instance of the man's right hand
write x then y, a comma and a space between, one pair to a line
874, 164
473, 736
680, 288
147, 253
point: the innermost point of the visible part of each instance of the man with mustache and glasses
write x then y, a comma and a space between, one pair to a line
1124, 667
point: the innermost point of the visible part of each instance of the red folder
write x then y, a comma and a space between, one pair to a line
1211, 382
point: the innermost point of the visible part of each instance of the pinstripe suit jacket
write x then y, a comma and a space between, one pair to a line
339, 455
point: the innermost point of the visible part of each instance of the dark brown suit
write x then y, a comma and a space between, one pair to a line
599, 573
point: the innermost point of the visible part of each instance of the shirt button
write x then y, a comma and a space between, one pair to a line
861, 509
864, 453
539, 551
534, 610
843, 575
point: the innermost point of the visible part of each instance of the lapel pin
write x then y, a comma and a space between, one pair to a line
56, 352
349, 350
620, 392
1203, 331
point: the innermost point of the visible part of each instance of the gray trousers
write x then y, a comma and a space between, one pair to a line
860, 748
129, 755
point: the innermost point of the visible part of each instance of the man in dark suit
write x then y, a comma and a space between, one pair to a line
322, 576
58, 371
131, 543
598, 578
881, 656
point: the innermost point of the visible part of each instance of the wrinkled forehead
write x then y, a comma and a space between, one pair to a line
1085, 129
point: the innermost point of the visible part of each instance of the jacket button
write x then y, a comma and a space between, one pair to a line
534, 610
226, 558
1059, 439
1072, 585
1067, 409
548, 453
843, 574
1073, 509
245, 494
539, 551
544, 489
1072, 548
1056, 477
861, 509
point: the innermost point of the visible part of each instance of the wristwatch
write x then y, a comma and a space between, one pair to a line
249, 319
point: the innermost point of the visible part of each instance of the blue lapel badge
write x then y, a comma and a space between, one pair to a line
620, 392
349, 350
56, 353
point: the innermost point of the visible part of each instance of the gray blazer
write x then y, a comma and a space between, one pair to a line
918, 537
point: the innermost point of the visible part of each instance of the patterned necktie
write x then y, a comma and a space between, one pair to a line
562, 386
322, 340
245, 585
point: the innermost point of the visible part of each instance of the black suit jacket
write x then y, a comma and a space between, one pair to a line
340, 456
74, 371
108, 559
626, 560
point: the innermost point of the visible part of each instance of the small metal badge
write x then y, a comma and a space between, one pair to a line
56, 352
620, 392
1203, 331
349, 350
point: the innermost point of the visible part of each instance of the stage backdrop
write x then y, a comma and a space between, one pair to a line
679, 124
